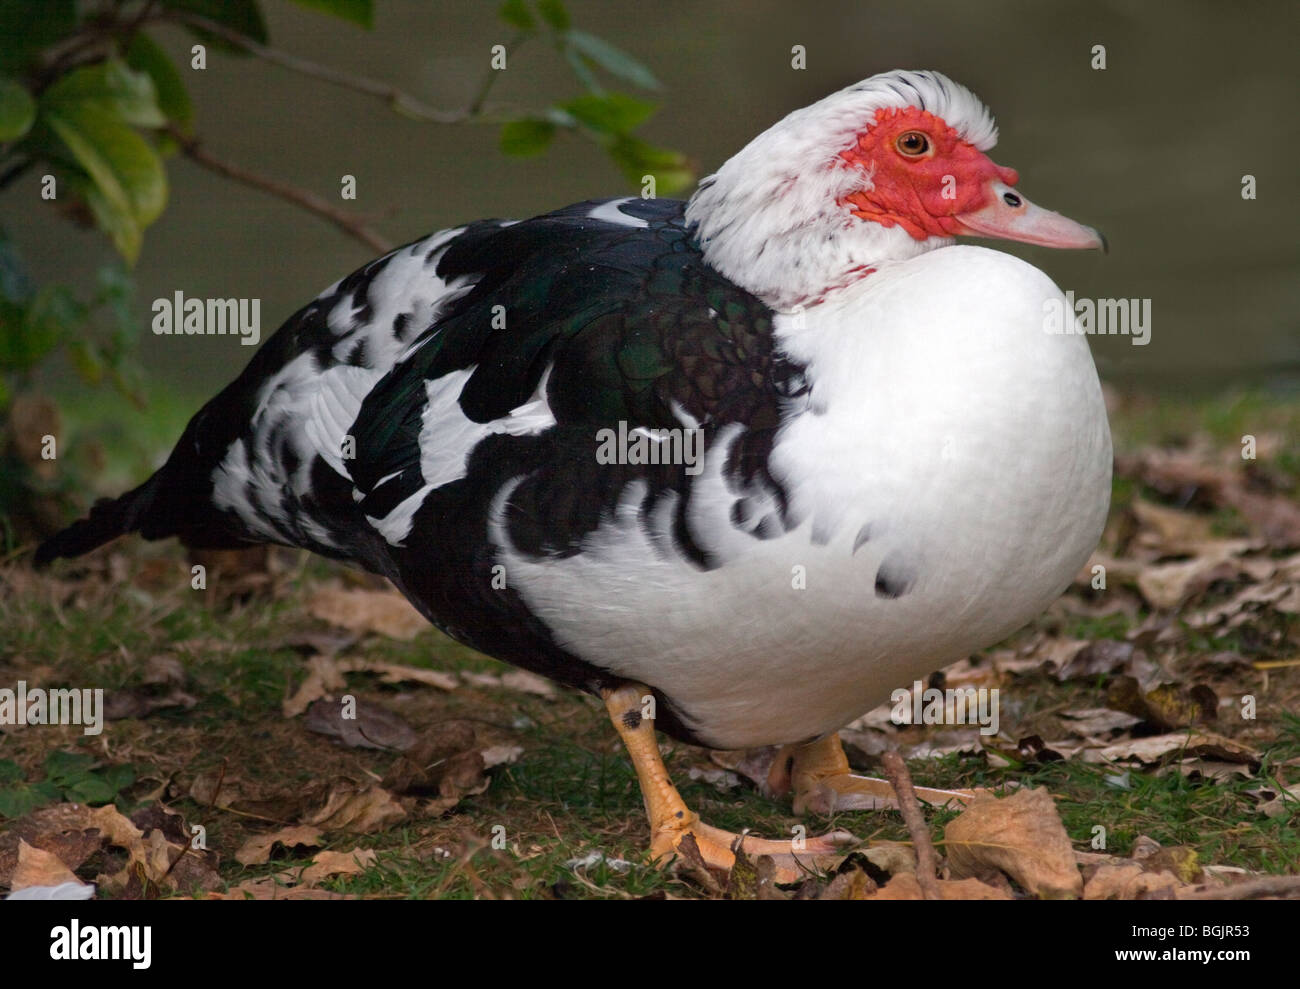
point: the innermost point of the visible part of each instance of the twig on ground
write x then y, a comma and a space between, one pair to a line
1287, 887
927, 861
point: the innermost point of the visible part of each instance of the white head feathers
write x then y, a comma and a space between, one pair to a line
769, 218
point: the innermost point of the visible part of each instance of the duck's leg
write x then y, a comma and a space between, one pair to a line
819, 776
671, 820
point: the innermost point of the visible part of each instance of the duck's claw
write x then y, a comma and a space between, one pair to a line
817, 774
671, 820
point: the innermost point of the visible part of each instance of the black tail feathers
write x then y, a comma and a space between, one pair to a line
108, 519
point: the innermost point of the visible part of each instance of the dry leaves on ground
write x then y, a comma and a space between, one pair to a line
338, 804
326, 679
300, 882
359, 723
1021, 836
146, 855
1000, 849
257, 849
357, 610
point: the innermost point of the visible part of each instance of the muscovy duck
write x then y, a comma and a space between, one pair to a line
741, 465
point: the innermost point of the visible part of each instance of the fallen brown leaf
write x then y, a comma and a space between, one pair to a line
257, 849
1102, 656
852, 885
371, 726
528, 683
446, 762
1180, 474
1128, 882
1021, 835
37, 867
1170, 530
1097, 721
61, 829
1165, 705
1155, 748
338, 804
383, 612
139, 702
269, 889
326, 679
357, 808
892, 857
904, 886
326, 864
1167, 585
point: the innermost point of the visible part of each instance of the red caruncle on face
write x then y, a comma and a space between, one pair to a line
922, 174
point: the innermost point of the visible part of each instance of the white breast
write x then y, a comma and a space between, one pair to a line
950, 450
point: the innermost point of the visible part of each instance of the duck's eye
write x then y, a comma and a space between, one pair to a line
913, 143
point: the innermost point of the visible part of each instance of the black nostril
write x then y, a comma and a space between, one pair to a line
1011, 199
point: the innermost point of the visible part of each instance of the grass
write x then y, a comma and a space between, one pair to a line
572, 793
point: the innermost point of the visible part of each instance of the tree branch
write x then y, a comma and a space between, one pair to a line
14, 171
397, 99
349, 223
489, 79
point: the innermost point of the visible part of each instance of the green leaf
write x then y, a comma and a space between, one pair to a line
17, 110
612, 59
129, 184
582, 70
62, 767
116, 290
18, 801
119, 776
113, 216
636, 159
86, 361
516, 14
243, 16
90, 790
10, 772
113, 86
609, 113
357, 11
32, 331
554, 14
53, 316
525, 138
147, 56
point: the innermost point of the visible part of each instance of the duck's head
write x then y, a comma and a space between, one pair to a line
882, 171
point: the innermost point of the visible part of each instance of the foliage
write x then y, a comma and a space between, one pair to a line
94, 105
608, 117
72, 776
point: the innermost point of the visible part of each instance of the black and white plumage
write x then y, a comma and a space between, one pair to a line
899, 465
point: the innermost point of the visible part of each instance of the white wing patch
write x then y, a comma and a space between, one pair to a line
448, 437
610, 213
332, 408
312, 409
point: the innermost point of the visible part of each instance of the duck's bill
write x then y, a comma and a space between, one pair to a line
1010, 216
